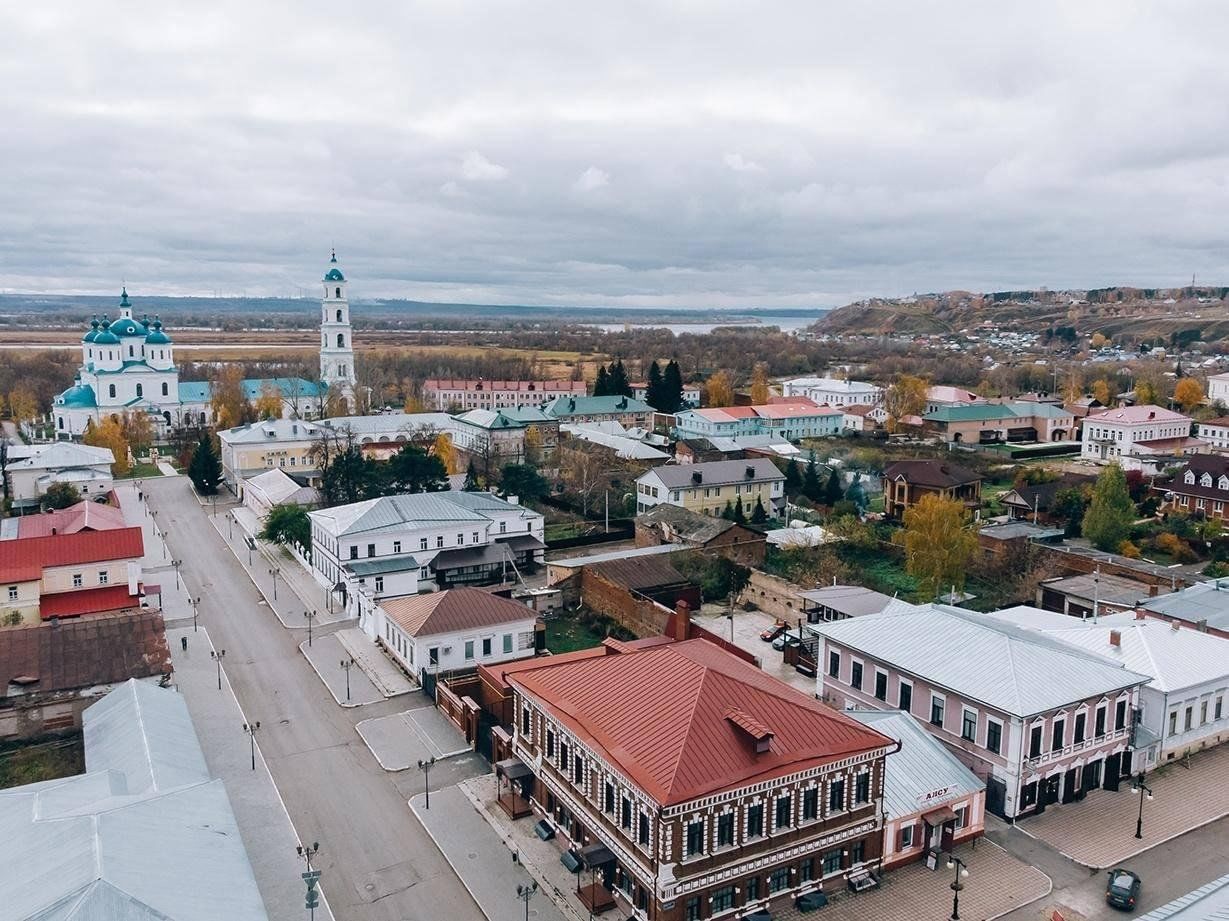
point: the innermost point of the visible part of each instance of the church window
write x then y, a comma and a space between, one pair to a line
165, 390
337, 292
338, 316
140, 391
111, 391
341, 340
131, 353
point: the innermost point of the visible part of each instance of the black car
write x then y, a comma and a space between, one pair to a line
1122, 889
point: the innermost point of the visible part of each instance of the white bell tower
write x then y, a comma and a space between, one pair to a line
336, 345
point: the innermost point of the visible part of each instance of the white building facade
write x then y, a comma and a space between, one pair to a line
336, 338
1131, 435
833, 391
83, 466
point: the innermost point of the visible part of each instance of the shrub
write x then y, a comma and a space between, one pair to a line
1129, 550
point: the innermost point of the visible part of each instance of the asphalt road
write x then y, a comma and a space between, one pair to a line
377, 863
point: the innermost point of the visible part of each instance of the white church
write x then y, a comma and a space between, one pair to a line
128, 366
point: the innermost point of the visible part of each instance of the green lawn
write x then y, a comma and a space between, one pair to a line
23, 764
566, 632
141, 471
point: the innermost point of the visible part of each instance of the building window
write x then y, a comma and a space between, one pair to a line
625, 812
469, 649
642, 835
486, 646
111, 390
691, 911
881, 685
564, 758
832, 861
77, 583
1120, 714
806, 870
354, 552
396, 546
1173, 723
857, 853
1034, 742
755, 821
968, 725
460, 540
936, 710
695, 838
1186, 722
836, 795
962, 816
906, 696
855, 676
834, 664
810, 804
994, 736
103, 577
550, 750
439, 541
578, 769
753, 889
784, 809
379, 585
723, 899
1100, 722
165, 390
525, 721
1057, 732
140, 391
862, 788
906, 837
780, 878
1081, 724
725, 829
474, 538
422, 543
12, 593
1217, 709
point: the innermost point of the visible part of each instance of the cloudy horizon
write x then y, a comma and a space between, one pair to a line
650, 154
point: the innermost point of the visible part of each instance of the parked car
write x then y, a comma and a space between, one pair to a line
1122, 889
810, 901
779, 643
774, 631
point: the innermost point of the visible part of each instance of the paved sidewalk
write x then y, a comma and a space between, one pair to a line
1100, 831
482, 861
156, 568
265, 826
166, 469
325, 655
400, 740
388, 679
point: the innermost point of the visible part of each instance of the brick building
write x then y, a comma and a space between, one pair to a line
905, 482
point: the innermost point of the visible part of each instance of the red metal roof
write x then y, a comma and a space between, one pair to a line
88, 601
24, 559
454, 610
660, 716
84, 516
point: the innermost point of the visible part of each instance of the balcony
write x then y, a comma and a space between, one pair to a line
1076, 747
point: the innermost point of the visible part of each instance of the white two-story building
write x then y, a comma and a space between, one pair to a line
833, 391
1139, 437
709, 487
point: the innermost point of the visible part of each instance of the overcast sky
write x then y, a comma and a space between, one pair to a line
695, 153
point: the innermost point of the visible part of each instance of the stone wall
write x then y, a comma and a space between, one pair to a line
774, 596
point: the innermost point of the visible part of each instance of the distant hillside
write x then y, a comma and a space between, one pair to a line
1140, 314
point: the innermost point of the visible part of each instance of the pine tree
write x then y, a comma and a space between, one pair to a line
793, 478
811, 487
654, 390
618, 383
672, 388
205, 470
601, 387
739, 515
759, 515
471, 479
832, 489
728, 512
1107, 523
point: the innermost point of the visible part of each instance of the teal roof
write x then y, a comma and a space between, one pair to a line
377, 565
105, 336
93, 333
562, 407
334, 274
972, 412
526, 414
126, 326
80, 395
195, 391
157, 337
288, 387
1044, 410
123, 297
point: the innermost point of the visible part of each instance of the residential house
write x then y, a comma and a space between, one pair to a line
401, 545
1183, 707
84, 516
692, 784
50, 673
863, 417
382, 435
290, 445
145, 833
832, 391
788, 421
625, 447
707, 488
461, 395
1035, 501
1041, 721
1091, 594
1218, 388
691, 393
838, 602
932, 802
1201, 487
988, 423
906, 482
1145, 438
68, 575
670, 524
83, 466
1203, 606
1215, 432
276, 487
460, 628
629, 412
938, 396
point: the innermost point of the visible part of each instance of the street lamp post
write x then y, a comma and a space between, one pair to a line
425, 767
251, 729
961, 871
311, 616
1144, 791
217, 657
166, 532
176, 564
346, 665
311, 877
274, 572
195, 602
230, 526
525, 892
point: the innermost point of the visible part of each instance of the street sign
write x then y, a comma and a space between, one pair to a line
312, 900
311, 876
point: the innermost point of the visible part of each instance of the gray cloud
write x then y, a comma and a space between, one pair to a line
645, 154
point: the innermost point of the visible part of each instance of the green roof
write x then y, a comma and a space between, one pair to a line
195, 391
126, 326
973, 412
288, 387
377, 565
80, 395
157, 337
334, 274
562, 407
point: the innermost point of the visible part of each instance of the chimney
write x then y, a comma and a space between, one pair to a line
750, 472
1152, 414
1140, 615
1115, 638
54, 530
1202, 625
697, 477
682, 620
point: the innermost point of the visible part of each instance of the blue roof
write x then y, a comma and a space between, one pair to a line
195, 391
286, 386
334, 274
106, 337
562, 407
126, 326
81, 395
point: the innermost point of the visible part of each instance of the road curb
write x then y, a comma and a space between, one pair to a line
1143, 850
443, 756
436, 841
348, 704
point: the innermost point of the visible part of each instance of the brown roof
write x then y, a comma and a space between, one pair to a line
1041, 495
1215, 464
932, 473
453, 610
74, 654
640, 572
676, 718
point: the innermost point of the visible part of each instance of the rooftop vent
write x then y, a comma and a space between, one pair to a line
1115, 638
750, 472
697, 477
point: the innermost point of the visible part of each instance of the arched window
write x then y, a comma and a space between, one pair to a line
337, 293
166, 392
339, 315
111, 391
131, 353
341, 340
61, 421
140, 391
203, 419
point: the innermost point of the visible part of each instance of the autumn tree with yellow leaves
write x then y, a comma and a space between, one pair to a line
939, 544
109, 434
719, 389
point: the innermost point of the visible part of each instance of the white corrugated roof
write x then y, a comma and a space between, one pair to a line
922, 766
624, 447
1207, 903
1021, 672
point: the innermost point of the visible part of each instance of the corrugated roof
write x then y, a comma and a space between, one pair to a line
1100, 587
453, 611
24, 559
660, 715
84, 516
575, 562
562, 407
1015, 670
381, 564
686, 524
396, 512
641, 574
1207, 903
61, 454
850, 600
623, 446
87, 601
1134, 415
717, 473
1205, 601
922, 765
271, 430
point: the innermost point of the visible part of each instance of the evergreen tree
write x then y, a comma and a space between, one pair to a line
811, 487
205, 470
618, 384
832, 489
793, 478
654, 390
412, 470
672, 388
471, 478
602, 386
1107, 523
728, 512
739, 515
758, 514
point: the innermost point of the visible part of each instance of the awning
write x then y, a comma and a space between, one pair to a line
469, 556
521, 542
596, 855
937, 817
513, 768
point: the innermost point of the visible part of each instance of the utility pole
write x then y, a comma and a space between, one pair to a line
525, 892
274, 572
217, 657
425, 767
177, 564
251, 729
195, 602
311, 877
346, 665
311, 616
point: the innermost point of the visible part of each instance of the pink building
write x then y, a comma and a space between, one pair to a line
1041, 722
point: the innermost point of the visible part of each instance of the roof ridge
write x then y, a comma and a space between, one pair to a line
679, 752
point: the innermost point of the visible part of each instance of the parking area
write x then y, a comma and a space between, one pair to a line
401, 740
748, 625
1100, 831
